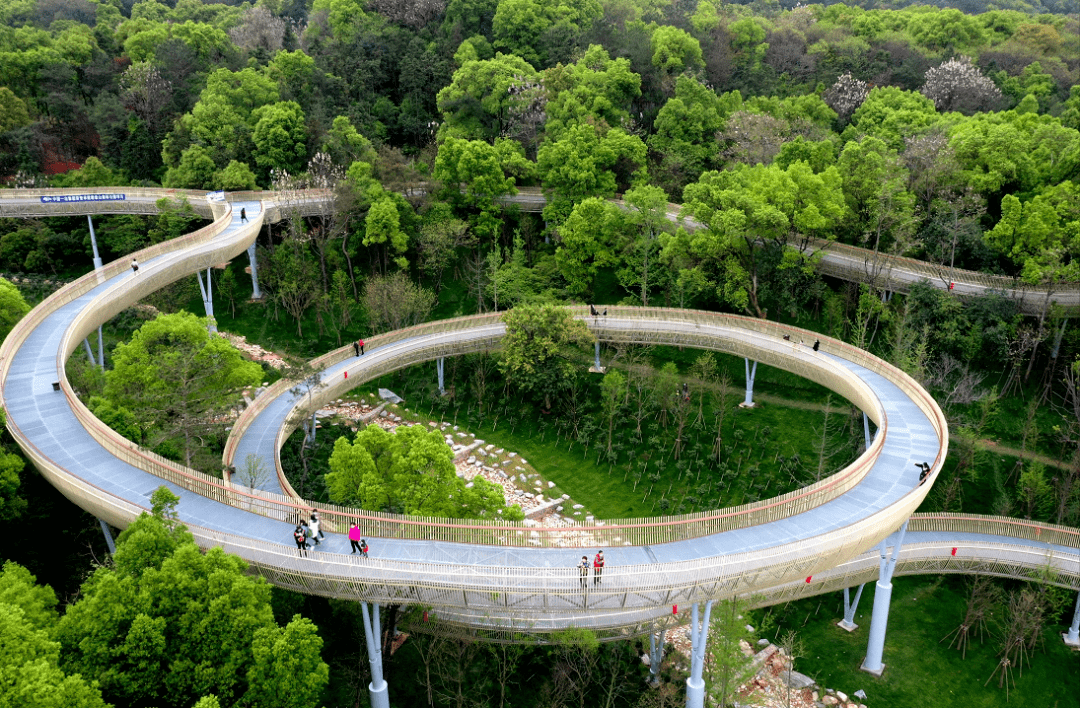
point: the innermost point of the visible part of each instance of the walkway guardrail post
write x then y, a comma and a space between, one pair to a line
699, 635
1072, 638
875, 648
373, 635
656, 656
848, 622
256, 294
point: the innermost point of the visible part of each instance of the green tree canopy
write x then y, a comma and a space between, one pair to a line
476, 104
534, 355
596, 89
410, 471
174, 376
179, 625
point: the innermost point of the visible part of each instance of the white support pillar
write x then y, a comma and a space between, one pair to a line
93, 242
848, 622
89, 352
1072, 637
596, 368
879, 621
256, 294
656, 656
100, 349
866, 430
108, 536
699, 635
207, 298
440, 364
751, 372
377, 693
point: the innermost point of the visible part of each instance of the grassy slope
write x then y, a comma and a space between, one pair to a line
921, 671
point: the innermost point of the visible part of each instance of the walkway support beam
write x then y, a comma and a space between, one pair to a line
1072, 637
656, 656
879, 621
373, 635
93, 242
866, 430
440, 364
207, 298
256, 294
108, 536
699, 635
848, 622
751, 373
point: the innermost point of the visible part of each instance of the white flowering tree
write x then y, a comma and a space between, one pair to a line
844, 96
958, 85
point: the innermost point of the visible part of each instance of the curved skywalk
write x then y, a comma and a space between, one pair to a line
488, 583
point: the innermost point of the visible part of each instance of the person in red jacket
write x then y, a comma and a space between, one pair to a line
598, 568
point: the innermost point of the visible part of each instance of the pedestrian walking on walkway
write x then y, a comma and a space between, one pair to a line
584, 570
354, 537
301, 540
363, 548
315, 530
360, 346
356, 347
135, 266
243, 215
598, 568
817, 344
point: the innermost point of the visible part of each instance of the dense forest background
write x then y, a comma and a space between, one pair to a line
948, 134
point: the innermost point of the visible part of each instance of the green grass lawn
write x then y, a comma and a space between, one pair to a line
920, 671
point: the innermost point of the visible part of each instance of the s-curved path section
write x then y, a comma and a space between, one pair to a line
486, 573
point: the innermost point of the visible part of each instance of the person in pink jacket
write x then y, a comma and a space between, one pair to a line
355, 537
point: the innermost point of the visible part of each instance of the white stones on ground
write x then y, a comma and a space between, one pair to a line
472, 459
551, 485
577, 513
469, 485
529, 495
460, 435
558, 508
522, 478
503, 474
500, 451
456, 427
489, 447
589, 517
478, 463
519, 469
749, 629
579, 506
433, 424
763, 642
511, 454
504, 463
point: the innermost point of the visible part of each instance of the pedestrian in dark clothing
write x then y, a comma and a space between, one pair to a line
360, 343
363, 548
605, 312
592, 311
924, 471
135, 266
598, 568
817, 344
354, 537
301, 540
356, 348
584, 570
243, 215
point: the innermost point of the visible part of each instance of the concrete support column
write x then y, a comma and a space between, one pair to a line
108, 536
1072, 638
93, 242
656, 655
699, 635
100, 349
207, 291
596, 368
751, 372
866, 430
89, 352
256, 294
440, 369
848, 622
879, 621
373, 635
